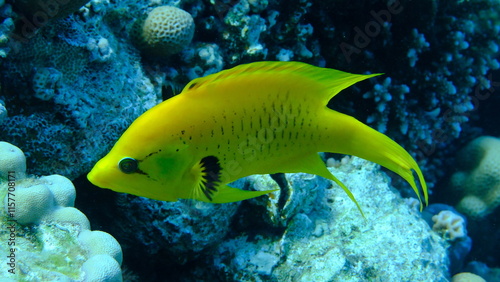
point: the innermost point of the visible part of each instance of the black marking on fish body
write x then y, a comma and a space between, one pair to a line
192, 85
183, 131
212, 133
150, 154
260, 121
211, 169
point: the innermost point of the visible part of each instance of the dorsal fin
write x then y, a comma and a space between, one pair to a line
295, 75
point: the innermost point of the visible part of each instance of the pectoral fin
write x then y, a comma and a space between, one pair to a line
226, 194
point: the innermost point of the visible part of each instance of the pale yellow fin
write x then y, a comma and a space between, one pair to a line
349, 136
226, 194
314, 165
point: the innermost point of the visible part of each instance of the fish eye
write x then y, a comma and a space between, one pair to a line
128, 165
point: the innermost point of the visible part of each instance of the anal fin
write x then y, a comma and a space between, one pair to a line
313, 164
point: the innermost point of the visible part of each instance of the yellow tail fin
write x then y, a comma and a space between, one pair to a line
349, 136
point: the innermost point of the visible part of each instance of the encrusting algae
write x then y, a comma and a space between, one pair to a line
258, 118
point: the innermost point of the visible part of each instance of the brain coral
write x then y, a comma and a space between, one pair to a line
477, 180
165, 31
53, 240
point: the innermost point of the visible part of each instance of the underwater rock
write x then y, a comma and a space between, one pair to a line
180, 230
49, 239
326, 238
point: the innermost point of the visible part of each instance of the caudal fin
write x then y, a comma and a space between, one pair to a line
349, 136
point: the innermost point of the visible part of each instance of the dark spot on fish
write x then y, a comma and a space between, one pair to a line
183, 131
222, 130
192, 85
212, 133
211, 169
218, 146
177, 150
190, 137
128, 165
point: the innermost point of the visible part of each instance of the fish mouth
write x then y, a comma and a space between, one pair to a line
93, 177
97, 176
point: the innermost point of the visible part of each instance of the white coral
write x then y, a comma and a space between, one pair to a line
450, 225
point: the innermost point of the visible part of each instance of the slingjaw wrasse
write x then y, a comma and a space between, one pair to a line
258, 118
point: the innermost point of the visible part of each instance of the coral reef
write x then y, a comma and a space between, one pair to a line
69, 101
327, 239
165, 31
477, 181
452, 227
79, 82
315, 234
48, 238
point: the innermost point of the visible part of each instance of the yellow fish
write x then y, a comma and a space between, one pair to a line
258, 118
